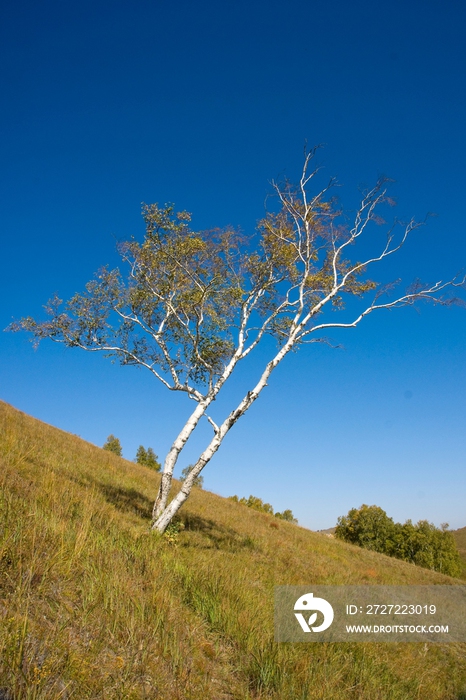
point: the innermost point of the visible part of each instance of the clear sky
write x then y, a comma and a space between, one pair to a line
109, 104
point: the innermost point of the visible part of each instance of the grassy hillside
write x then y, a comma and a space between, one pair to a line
94, 606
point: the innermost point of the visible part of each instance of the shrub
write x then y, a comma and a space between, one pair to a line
369, 527
148, 458
113, 445
286, 515
422, 544
258, 504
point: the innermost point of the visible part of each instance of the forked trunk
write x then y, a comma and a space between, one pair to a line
163, 515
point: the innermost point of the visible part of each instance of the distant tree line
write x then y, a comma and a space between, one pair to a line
257, 504
198, 480
146, 457
422, 544
113, 445
149, 459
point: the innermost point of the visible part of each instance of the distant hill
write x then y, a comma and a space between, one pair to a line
328, 531
93, 605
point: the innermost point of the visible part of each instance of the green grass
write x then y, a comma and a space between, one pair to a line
92, 605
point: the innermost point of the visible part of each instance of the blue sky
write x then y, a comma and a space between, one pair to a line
109, 104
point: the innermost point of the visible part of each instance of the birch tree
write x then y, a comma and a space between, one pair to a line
191, 305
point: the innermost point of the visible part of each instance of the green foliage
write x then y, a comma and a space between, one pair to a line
369, 527
113, 445
198, 292
172, 532
428, 546
460, 539
422, 544
287, 515
186, 291
257, 504
148, 458
254, 502
198, 481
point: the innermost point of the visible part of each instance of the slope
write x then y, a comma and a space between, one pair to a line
94, 606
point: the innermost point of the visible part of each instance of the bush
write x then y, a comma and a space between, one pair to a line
258, 504
113, 445
369, 527
429, 546
286, 515
422, 544
148, 458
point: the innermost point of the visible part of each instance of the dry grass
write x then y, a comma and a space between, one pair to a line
94, 606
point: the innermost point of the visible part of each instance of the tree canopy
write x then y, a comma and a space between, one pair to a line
422, 544
113, 445
148, 458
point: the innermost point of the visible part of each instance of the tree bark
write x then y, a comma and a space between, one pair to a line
162, 518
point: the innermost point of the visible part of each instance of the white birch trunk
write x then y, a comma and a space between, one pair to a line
178, 445
172, 457
163, 516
